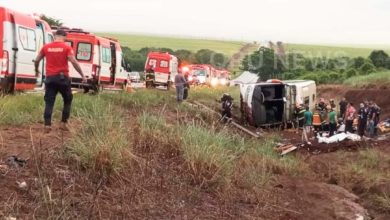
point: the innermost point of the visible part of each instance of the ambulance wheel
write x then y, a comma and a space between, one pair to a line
149, 84
7, 85
86, 89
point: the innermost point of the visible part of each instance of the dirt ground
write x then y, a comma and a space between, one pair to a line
157, 185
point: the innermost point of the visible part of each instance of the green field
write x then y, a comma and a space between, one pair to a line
379, 78
139, 41
334, 51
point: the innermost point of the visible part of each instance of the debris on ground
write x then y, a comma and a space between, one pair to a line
22, 185
284, 149
384, 126
338, 138
15, 162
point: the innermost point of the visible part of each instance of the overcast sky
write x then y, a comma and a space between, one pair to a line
301, 21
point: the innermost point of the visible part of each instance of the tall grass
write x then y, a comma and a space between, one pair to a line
142, 98
21, 109
209, 155
378, 77
102, 143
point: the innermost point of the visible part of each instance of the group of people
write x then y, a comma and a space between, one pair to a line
325, 118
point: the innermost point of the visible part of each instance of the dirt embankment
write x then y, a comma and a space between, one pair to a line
379, 95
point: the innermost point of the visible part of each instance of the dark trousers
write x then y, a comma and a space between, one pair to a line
362, 127
332, 129
54, 85
349, 126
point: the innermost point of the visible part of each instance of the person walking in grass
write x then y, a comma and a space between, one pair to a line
180, 82
308, 121
57, 55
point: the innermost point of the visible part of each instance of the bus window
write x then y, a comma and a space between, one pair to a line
84, 51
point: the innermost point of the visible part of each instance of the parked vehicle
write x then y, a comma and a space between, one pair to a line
202, 74
223, 77
160, 69
134, 77
273, 102
21, 38
100, 58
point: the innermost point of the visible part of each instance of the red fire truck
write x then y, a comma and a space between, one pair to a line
100, 58
160, 69
21, 38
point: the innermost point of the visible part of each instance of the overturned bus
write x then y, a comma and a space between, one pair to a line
273, 103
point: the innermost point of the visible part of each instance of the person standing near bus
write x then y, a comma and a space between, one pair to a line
308, 122
57, 55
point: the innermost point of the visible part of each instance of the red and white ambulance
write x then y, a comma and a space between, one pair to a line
161, 69
21, 38
100, 58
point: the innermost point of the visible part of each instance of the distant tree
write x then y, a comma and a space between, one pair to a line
186, 56
264, 62
379, 58
351, 73
367, 68
357, 62
219, 60
52, 21
204, 56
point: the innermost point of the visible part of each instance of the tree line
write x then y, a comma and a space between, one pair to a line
267, 64
137, 58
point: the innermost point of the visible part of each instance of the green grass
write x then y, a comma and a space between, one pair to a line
102, 142
378, 77
21, 109
137, 42
333, 51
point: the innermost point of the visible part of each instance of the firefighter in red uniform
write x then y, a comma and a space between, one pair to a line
57, 80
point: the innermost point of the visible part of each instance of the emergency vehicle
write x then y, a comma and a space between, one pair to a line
201, 74
100, 58
21, 38
273, 103
160, 69
223, 77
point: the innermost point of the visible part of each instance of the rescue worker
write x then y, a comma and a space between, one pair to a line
332, 104
186, 86
317, 123
300, 114
227, 106
343, 107
374, 117
180, 82
57, 55
322, 105
332, 117
308, 119
349, 117
362, 117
